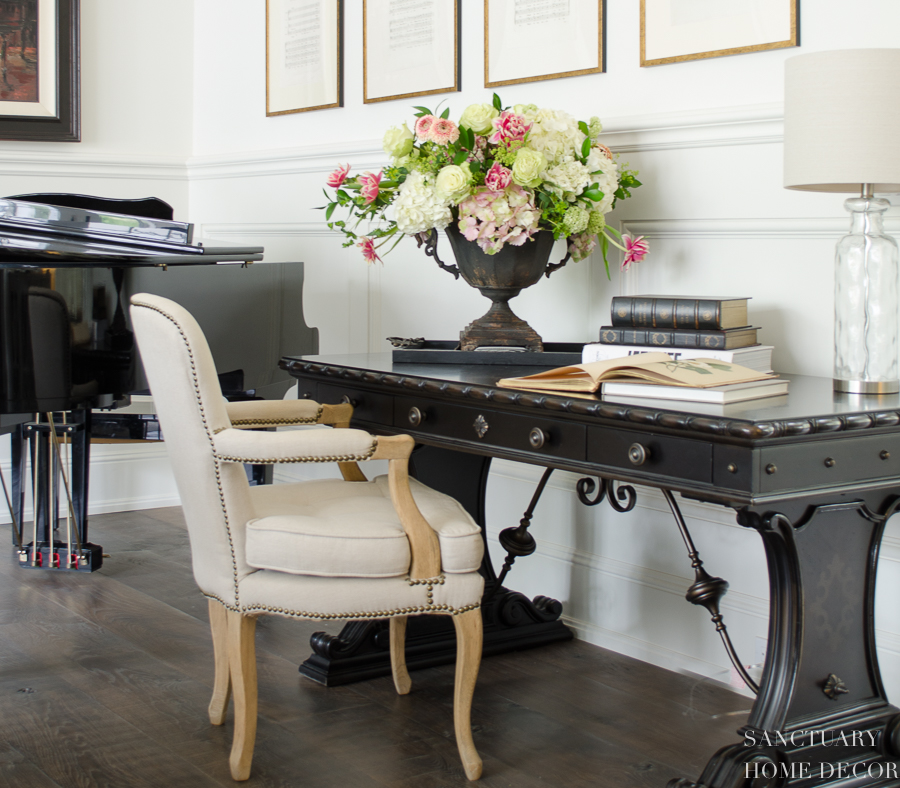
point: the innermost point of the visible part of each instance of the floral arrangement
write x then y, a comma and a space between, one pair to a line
500, 174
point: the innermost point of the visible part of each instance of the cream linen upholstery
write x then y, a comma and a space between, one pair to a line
331, 549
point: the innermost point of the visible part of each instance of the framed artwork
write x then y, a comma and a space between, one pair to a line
304, 47
39, 71
410, 48
531, 40
677, 30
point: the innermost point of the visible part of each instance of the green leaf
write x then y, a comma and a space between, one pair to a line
460, 157
446, 113
584, 128
498, 105
604, 247
474, 167
422, 111
593, 194
586, 148
330, 211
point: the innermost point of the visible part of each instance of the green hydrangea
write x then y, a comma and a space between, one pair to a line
596, 223
595, 127
575, 220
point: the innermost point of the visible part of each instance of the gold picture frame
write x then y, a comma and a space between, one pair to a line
759, 26
565, 31
304, 55
407, 46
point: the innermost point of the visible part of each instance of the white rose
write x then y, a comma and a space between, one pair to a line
453, 183
526, 169
398, 141
478, 117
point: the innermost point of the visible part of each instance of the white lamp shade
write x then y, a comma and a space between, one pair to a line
841, 121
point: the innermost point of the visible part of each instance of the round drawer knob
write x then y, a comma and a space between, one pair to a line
829, 462
771, 469
345, 400
416, 417
885, 455
537, 438
637, 454
306, 395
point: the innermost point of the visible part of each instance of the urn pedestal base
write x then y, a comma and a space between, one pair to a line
499, 327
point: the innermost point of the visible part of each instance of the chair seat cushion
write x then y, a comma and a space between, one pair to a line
335, 528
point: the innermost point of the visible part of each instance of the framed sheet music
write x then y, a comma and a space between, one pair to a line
39, 74
304, 43
410, 48
675, 30
531, 40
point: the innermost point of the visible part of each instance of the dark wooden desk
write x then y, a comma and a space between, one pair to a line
814, 473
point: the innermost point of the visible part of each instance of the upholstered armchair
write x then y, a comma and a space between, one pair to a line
333, 549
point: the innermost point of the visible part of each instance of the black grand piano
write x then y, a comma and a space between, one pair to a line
68, 264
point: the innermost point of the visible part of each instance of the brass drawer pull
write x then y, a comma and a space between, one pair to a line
638, 454
537, 438
416, 417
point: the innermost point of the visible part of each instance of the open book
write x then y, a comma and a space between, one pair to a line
648, 368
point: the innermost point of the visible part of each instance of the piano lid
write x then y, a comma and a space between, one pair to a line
59, 230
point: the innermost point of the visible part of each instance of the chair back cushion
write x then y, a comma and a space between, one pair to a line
215, 496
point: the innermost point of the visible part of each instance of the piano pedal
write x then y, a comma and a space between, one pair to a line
88, 559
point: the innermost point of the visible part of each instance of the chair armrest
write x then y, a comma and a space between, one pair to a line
269, 448
285, 413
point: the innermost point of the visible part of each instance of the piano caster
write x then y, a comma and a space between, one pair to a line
88, 559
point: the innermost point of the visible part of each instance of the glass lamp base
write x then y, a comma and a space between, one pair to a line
867, 386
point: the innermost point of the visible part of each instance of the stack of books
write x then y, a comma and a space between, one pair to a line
657, 376
683, 327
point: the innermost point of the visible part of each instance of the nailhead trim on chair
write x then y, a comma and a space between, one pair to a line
427, 581
279, 422
366, 614
271, 460
212, 445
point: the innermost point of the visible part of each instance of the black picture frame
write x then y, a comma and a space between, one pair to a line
65, 126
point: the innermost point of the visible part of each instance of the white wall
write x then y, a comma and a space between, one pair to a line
174, 105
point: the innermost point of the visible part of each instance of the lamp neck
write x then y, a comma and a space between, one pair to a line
867, 215
867, 191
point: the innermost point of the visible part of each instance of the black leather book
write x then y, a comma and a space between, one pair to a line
682, 312
725, 339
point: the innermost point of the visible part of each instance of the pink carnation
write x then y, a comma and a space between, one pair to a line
367, 245
368, 186
509, 127
635, 250
423, 126
498, 177
443, 131
337, 177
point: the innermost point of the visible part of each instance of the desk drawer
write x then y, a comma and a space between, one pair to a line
660, 455
829, 462
367, 406
536, 435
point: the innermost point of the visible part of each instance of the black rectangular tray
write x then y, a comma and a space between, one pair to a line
555, 354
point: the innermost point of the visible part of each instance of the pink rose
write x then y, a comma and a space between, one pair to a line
367, 245
337, 177
498, 177
368, 186
443, 131
423, 126
509, 126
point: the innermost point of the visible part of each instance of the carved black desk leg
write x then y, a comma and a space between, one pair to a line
821, 717
512, 621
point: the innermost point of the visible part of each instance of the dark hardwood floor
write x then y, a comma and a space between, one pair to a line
105, 680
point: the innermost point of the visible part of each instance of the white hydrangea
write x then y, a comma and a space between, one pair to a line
555, 134
568, 179
606, 178
417, 207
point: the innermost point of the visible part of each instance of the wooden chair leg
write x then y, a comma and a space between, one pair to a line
218, 623
469, 636
242, 661
398, 655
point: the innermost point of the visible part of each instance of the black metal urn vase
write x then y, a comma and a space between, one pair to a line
499, 277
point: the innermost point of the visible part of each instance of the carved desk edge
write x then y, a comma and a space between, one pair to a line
630, 414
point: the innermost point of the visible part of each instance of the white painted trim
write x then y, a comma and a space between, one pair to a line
75, 164
758, 229
751, 125
261, 229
